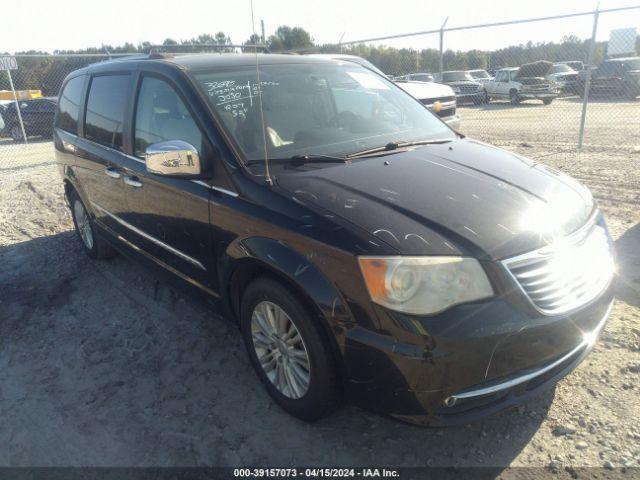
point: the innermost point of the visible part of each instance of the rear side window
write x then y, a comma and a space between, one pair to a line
161, 115
69, 105
106, 106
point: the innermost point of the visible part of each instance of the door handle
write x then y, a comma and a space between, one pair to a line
133, 181
112, 172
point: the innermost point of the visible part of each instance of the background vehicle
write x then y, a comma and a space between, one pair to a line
617, 77
464, 85
37, 116
438, 98
3, 107
565, 76
481, 76
524, 83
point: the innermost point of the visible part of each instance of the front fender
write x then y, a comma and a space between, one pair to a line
296, 269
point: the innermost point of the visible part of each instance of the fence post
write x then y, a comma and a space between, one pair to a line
442, 46
587, 82
15, 98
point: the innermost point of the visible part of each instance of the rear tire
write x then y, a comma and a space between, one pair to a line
547, 101
16, 134
305, 388
92, 244
514, 98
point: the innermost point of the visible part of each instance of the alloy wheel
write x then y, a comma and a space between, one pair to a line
82, 221
280, 350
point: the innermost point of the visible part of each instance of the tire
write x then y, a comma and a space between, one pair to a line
92, 244
16, 134
547, 101
514, 98
261, 300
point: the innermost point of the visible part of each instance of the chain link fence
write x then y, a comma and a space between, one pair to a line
557, 96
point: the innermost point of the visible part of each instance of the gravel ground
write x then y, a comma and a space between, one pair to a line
103, 365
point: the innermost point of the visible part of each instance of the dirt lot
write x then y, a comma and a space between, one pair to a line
102, 365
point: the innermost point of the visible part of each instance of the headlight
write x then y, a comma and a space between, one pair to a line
424, 285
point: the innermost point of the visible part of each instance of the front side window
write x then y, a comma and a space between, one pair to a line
161, 115
317, 108
69, 105
106, 107
501, 76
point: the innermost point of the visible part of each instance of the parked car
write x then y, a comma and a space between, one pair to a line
365, 249
37, 117
524, 83
438, 98
464, 85
3, 107
564, 76
481, 76
416, 77
618, 77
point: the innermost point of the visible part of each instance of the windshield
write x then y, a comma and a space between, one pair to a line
315, 109
479, 74
561, 69
456, 77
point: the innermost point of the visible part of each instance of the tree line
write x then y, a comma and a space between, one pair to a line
46, 72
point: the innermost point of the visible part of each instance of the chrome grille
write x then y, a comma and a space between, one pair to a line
568, 274
469, 88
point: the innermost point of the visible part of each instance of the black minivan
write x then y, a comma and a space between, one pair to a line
367, 251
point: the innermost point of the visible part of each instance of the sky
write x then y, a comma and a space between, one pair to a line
85, 23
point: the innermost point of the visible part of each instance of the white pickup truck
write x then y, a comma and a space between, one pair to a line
527, 82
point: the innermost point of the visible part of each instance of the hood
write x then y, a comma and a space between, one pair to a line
423, 90
460, 198
535, 69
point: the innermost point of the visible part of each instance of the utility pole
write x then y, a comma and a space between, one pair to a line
442, 46
587, 82
262, 27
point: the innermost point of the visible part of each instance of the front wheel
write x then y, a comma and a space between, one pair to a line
288, 350
547, 101
514, 98
16, 133
93, 245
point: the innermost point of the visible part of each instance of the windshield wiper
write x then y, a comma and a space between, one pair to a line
391, 146
302, 159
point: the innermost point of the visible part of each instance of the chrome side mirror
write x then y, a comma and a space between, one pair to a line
173, 158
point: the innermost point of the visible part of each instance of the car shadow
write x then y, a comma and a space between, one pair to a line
103, 364
628, 266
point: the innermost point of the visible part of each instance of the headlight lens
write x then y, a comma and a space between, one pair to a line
424, 285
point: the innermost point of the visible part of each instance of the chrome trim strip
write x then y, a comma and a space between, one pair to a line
591, 337
217, 189
164, 265
160, 243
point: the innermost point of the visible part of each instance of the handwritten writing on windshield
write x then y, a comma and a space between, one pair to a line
234, 97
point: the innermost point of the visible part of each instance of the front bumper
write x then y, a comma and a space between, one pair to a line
537, 95
468, 362
471, 97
